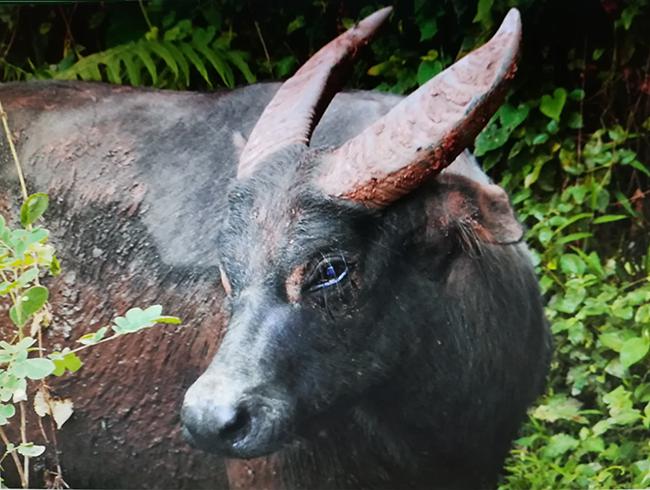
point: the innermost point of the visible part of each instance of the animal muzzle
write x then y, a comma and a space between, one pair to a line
246, 425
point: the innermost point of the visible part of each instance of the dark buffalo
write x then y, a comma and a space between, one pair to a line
384, 325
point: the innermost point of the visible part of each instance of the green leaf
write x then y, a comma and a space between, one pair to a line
571, 300
284, 66
93, 337
428, 28
196, 61
622, 310
132, 70
38, 368
90, 71
203, 36
33, 208
608, 218
612, 340
28, 276
296, 24
237, 59
6, 412
577, 94
427, 70
559, 444
575, 120
55, 266
552, 106
217, 63
643, 314
511, 116
628, 15
30, 450
137, 319
572, 264
593, 261
573, 237
634, 350
180, 59
170, 320
491, 138
593, 445
540, 139
484, 12
65, 361
113, 70
29, 303
142, 53
559, 408
166, 56
640, 167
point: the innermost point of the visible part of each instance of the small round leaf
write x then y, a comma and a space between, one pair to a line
33, 208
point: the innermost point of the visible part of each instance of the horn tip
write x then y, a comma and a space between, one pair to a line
376, 19
511, 23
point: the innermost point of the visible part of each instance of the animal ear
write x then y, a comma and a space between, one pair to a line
426, 131
476, 210
296, 108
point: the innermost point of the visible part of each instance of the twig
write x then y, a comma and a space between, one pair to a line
266, 51
68, 39
5, 124
13, 35
23, 438
146, 16
582, 100
14, 456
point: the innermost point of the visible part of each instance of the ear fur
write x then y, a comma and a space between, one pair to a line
482, 211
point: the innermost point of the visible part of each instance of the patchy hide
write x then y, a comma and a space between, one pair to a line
359, 308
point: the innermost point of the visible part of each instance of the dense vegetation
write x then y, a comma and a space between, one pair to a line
571, 145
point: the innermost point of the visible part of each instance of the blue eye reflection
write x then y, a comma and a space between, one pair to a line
330, 271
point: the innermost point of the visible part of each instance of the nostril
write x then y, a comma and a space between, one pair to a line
237, 426
210, 425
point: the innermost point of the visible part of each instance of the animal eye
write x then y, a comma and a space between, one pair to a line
328, 272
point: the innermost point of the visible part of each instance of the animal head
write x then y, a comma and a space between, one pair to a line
327, 253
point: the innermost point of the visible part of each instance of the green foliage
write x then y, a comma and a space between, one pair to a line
166, 62
571, 145
169, 57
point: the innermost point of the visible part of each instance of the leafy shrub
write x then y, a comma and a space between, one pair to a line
571, 145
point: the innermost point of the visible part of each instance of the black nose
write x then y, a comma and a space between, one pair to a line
216, 428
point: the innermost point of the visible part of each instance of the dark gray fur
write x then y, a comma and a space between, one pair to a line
415, 373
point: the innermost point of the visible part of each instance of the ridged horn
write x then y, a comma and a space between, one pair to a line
426, 131
296, 108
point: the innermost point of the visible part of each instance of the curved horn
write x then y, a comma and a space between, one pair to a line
296, 108
426, 131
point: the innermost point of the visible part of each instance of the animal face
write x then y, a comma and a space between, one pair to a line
303, 303
324, 253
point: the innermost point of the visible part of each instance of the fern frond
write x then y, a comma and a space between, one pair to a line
143, 53
180, 60
163, 63
194, 58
